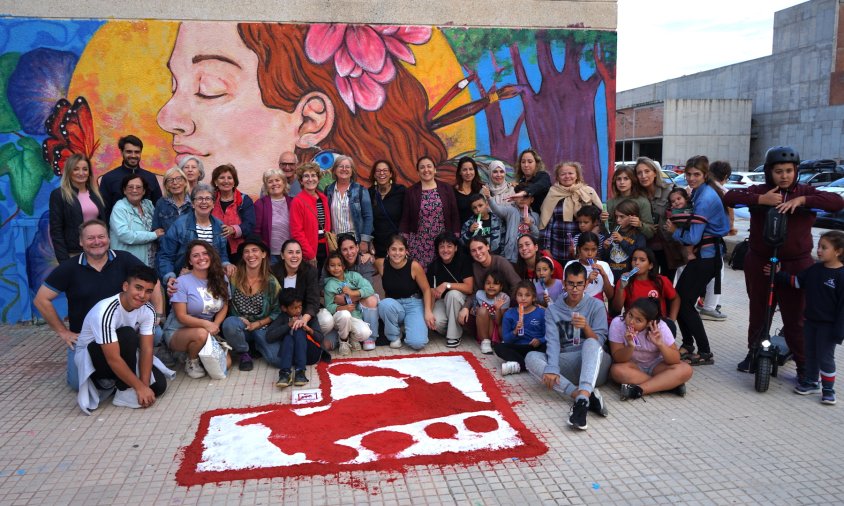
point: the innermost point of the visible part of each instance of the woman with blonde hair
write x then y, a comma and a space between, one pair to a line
272, 213
175, 201
557, 215
75, 201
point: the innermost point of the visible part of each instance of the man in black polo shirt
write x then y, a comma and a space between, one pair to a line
94, 275
130, 147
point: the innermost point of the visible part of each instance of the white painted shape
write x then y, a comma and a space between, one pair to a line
228, 446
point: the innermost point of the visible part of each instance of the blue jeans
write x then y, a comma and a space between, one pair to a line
370, 316
235, 333
293, 350
409, 311
72, 372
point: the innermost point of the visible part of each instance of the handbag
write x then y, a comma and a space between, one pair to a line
330, 241
214, 356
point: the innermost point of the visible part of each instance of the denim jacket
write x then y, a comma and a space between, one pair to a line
174, 245
166, 212
361, 208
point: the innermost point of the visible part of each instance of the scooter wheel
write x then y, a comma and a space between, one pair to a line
763, 373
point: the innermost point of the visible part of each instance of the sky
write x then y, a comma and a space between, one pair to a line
663, 39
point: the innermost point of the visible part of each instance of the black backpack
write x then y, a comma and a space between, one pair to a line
737, 256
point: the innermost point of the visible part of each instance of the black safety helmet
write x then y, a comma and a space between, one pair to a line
780, 154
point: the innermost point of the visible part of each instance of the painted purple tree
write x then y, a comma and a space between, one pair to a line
559, 116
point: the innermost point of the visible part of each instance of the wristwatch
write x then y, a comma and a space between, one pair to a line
448, 286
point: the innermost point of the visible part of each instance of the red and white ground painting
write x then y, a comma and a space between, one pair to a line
375, 414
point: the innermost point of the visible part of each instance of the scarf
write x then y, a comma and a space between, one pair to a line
499, 193
573, 199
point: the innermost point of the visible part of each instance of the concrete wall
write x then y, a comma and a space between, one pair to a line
599, 14
719, 129
789, 90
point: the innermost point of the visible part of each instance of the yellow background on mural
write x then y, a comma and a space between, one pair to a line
123, 74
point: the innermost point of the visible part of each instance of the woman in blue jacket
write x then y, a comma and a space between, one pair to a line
191, 226
351, 208
707, 238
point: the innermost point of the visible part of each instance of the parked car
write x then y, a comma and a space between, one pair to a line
668, 176
832, 220
744, 179
834, 187
680, 181
819, 178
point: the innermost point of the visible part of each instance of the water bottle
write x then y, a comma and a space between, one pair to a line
575, 337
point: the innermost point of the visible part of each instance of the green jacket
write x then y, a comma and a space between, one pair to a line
269, 307
333, 286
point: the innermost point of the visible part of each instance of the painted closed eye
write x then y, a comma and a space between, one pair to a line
211, 87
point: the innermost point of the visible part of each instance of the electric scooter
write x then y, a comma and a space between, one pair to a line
770, 352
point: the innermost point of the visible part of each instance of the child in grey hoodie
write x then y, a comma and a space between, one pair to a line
575, 362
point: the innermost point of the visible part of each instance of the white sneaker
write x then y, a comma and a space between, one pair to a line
194, 369
486, 347
345, 349
369, 345
126, 398
355, 344
510, 368
395, 344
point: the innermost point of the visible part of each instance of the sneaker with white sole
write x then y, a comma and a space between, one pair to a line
807, 388
126, 398
355, 344
452, 343
508, 368
486, 347
194, 369
345, 348
577, 415
369, 344
717, 316
395, 344
828, 396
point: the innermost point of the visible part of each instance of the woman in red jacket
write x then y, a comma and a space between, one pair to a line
430, 209
310, 216
781, 190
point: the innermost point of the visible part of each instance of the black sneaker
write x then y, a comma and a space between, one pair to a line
745, 365
452, 343
630, 392
245, 362
679, 390
300, 379
285, 378
577, 415
596, 403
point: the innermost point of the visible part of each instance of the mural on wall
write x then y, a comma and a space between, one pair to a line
245, 93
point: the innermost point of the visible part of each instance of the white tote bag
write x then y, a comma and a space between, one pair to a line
213, 356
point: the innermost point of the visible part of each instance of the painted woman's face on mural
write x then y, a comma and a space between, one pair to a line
216, 112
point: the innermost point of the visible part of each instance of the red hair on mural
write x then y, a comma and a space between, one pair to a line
397, 130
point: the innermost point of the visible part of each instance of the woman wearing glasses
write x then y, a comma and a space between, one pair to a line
191, 226
131, 221
387, 198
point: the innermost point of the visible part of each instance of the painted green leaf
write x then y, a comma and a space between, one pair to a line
8, 120
27, 170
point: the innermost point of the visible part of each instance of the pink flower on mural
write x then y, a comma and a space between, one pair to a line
363, 57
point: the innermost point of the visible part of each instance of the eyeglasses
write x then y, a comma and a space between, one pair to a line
382, 170
579, 284
178, 179
133, 187
204, 199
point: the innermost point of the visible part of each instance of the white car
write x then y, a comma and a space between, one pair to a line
834, 187
744, 179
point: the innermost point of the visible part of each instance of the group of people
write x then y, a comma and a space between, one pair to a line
539, 270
